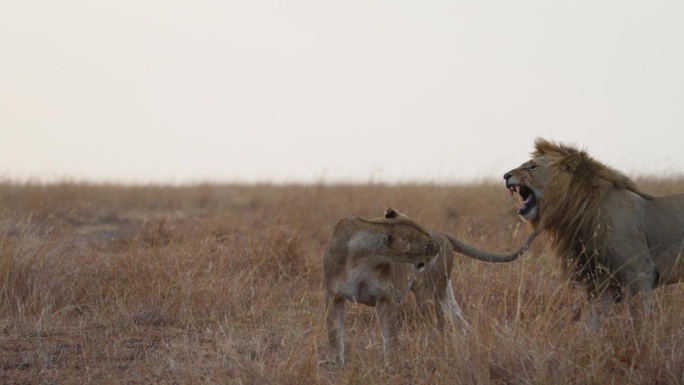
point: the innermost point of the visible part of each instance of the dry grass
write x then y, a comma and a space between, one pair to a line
223, 284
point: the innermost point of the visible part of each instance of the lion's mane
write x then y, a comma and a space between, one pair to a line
570, 210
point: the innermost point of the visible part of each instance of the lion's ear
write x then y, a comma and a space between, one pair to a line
390, 213
570, 162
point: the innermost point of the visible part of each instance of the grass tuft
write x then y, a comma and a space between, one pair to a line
223, 284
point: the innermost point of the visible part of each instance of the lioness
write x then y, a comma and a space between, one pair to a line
614, 238
377, 262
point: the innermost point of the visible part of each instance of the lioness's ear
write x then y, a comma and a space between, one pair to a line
390, 213
570, 162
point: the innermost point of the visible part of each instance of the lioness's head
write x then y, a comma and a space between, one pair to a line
415, 243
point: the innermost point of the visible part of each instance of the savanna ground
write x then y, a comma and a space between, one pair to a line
223, 284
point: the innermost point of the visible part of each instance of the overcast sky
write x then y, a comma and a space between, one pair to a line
244, 91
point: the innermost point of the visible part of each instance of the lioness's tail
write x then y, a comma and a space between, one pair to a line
485, 256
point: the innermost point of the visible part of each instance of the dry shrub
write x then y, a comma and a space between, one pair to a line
156, 232
38, 272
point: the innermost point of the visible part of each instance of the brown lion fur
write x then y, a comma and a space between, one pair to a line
611, 236
571, 209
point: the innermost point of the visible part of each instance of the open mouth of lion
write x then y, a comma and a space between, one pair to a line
527, 198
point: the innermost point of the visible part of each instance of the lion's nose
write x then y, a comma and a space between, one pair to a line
508, 175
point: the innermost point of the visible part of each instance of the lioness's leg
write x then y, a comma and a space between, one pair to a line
428, 304
387, 316
452, 308
438, 301
335, 321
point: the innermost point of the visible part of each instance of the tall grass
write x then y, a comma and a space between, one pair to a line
223, 284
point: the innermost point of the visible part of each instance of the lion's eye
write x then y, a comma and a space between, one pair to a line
532, 167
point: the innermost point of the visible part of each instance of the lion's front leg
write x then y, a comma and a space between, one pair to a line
597, 308
387, 316
336, 313
639, 301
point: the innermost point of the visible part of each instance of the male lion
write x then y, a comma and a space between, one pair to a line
377, 262
613, 238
